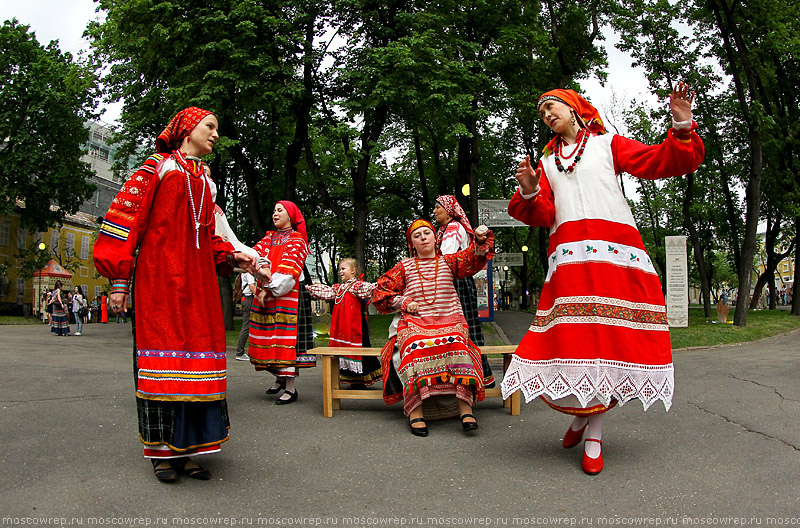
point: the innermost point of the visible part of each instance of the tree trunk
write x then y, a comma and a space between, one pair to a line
423, 182
697, 248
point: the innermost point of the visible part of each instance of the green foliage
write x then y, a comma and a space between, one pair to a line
45, 101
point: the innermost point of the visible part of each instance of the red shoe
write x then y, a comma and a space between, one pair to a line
593, 466
573, 438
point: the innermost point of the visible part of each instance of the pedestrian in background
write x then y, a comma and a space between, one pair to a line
248, 287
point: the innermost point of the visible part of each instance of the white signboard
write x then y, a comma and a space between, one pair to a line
494, 213
677, 299
507, 259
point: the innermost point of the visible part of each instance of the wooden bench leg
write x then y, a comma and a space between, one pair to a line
327, 385
506, 363
516, 401
335, 380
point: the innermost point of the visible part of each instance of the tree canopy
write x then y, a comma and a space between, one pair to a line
46, 99
363, 112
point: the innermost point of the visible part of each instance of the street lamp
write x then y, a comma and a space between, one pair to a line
505, 281
42, 247
524, 277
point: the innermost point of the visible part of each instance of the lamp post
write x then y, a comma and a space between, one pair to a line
42, 247
524, 277
505, 281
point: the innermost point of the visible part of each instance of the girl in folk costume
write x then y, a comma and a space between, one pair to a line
454, 234
431, 352
165, 212
277, 314
349, 326
600, 334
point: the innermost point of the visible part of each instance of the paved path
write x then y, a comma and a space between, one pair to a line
727, 449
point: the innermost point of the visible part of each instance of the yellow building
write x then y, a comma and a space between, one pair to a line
70, 245
784, 272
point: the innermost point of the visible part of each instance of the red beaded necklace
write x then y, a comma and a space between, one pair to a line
580, 145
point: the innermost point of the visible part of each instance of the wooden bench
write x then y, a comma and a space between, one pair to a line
332, 394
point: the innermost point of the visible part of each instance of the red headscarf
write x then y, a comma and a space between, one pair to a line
454, 209
584, 109
178, 128
295, 217
416, 224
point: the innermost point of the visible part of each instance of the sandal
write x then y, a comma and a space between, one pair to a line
164, 474
198, 472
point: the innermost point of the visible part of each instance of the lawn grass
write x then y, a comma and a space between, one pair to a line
704, 332
15, 320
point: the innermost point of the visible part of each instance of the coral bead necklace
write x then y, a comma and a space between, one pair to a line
580, 145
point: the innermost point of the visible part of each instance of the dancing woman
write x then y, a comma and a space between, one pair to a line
600, 334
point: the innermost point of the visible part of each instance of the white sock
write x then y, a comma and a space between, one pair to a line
289, 388
595, 431
578, 423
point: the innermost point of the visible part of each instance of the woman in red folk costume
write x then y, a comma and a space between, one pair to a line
431, 354
454, 234
276, 318
600, 334
349, 325
165, 212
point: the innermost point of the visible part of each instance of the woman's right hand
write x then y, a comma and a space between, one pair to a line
413, 307
528, 178
264, 274
118, 302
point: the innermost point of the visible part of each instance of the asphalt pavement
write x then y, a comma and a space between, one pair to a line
725, 454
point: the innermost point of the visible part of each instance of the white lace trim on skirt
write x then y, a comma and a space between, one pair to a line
587, 379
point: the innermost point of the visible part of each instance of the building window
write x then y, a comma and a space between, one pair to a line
70, 244
97, 291
54, 241
20, 291
5, 227
22, 237
84, 247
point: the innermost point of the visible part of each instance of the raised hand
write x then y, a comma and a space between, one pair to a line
680, 102
528, 178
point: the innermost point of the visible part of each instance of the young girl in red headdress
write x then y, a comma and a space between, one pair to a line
276, 317
600, 334
159, 233
431, 354
349, 326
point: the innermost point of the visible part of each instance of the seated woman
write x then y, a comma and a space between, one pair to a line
431, 352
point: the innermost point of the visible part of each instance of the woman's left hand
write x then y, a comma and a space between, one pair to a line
680, 102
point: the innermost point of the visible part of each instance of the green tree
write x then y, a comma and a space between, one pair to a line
45, 101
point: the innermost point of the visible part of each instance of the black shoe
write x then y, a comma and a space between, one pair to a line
199, 472
287, 401
164, 474
280, 384
468, 426
418, 431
